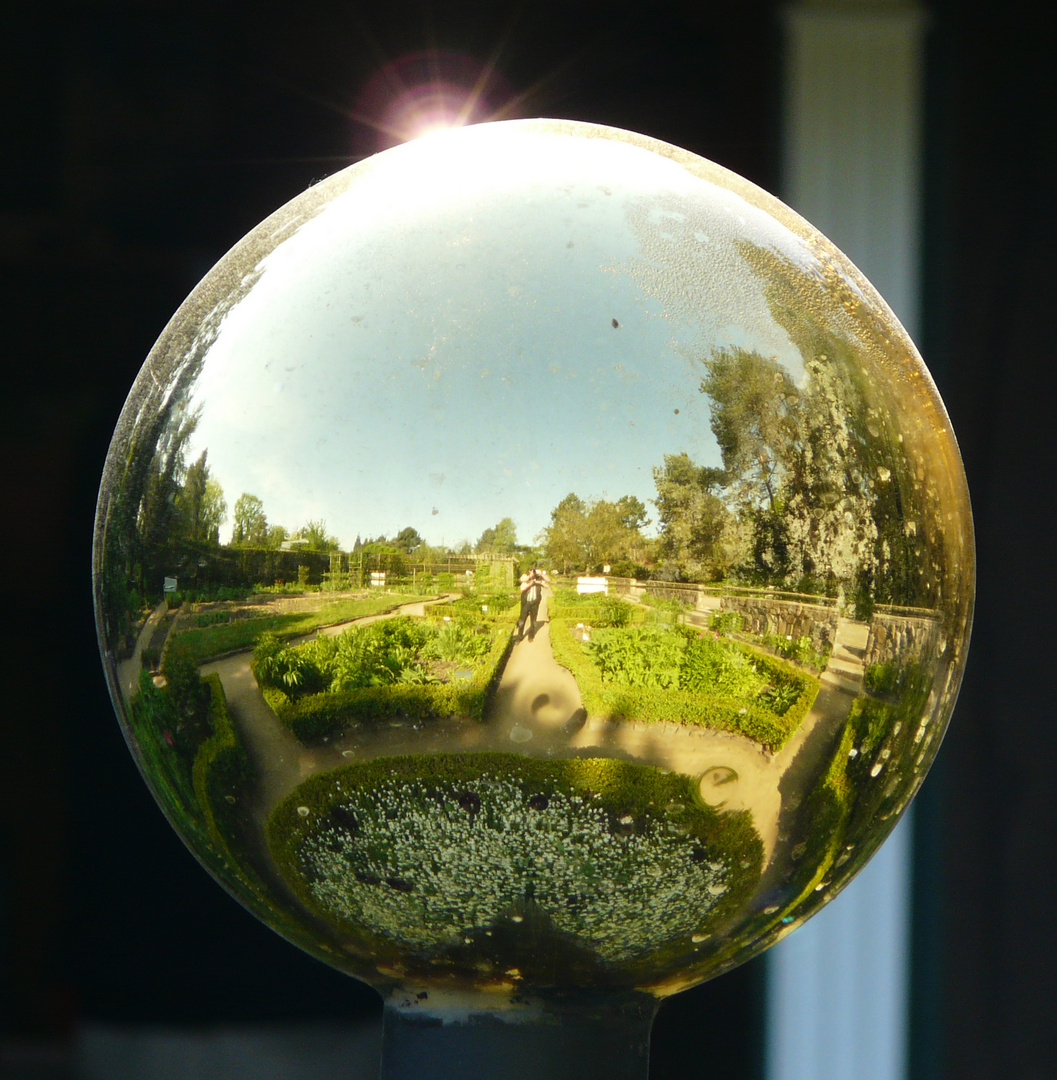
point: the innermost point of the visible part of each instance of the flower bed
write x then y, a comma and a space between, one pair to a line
666, 675
438, 851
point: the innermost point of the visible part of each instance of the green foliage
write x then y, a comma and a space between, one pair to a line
322, 715
220, 768
588, 842
641, 656
890, 679
893, 724
755, 717
585, 535
712, 666
501, 539
184, 686
799, 650
725, 622
250, 526
616, 612
459, 641
472, 607
595, 609
211, 618
203, 643
155, 719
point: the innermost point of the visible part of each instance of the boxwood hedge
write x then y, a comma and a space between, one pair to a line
652, 704
319, 716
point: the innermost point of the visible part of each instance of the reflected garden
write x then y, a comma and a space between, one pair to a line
666, 391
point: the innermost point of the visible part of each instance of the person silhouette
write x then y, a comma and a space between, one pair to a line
531, 585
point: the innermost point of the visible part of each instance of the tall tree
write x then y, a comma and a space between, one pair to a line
584, 535
200, 505
275, 536
700, 537
793, 464
500, 539
317, 537
250, 528
408, 540
632, 512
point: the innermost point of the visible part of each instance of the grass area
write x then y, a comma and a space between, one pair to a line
202, 643
406, 668
560, 868
676, 680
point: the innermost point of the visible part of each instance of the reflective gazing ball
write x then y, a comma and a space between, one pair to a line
533, 557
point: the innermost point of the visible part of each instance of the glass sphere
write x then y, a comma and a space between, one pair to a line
533, 557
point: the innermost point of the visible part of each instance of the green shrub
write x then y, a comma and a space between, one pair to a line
641, 656
204, 643
725, 622
702, 707
320, 716
800, 650
890, 679
220, 768
616, 612
184, 686
716, 667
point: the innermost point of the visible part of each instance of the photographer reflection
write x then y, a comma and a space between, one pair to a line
531, 585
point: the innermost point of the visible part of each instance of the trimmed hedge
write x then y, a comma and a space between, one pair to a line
321, 716
594, 608
653, 704
220, 767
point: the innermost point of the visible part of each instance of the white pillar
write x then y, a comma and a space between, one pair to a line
837, 995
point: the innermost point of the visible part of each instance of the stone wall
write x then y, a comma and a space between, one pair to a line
786, 618
901, 638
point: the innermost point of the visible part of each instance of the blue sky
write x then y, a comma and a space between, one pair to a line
436, 347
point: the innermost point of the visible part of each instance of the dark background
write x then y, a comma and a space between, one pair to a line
138, 141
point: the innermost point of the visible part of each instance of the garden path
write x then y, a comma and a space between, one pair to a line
280, 759
771, 787
538, 709
536, 695
128, 670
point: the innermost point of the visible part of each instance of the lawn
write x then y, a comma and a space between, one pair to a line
203, 643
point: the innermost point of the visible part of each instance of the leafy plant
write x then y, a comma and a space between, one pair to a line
725, 622
800, 650
639, 656
713, 666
